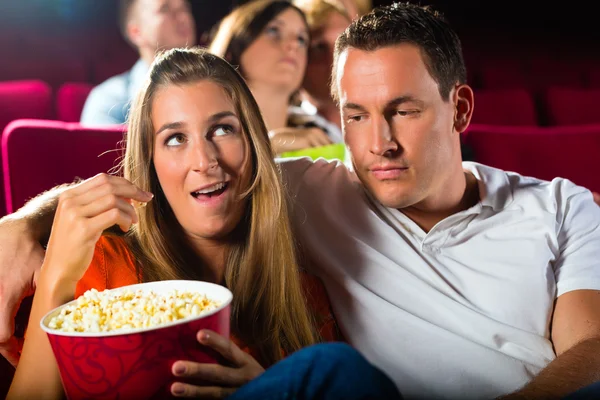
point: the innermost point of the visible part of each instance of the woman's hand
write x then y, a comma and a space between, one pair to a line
84, 212
290, 139
218, 381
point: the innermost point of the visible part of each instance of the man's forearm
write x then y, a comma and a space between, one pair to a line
576, 368
38, 214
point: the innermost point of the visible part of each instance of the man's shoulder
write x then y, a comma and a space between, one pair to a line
302, 171
114, 87
513, 189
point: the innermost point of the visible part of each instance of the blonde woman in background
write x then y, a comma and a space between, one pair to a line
327, 19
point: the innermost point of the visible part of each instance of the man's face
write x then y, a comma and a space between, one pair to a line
316, 79
399, 130
163, 24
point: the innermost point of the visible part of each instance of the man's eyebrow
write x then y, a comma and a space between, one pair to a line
403, 99
353, 106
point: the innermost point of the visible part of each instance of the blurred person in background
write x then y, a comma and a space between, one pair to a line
327, 19
268, 41
149, 26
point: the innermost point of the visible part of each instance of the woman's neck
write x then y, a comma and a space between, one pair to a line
213, 255
273, 104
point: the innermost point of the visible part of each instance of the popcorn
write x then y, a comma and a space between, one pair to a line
110, 311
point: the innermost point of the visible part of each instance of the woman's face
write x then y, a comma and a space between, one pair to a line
278, 56
201, 157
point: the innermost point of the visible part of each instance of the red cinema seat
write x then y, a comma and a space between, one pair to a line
24, 99
503, 74
572, 106
38, 155
70, 99
504, 107
543, 152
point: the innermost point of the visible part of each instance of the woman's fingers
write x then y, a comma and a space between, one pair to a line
102, 185
106, 203
181, 389
114, 216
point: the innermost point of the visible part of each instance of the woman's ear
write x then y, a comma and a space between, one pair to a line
464, 104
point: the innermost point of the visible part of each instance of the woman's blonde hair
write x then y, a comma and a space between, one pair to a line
317, 11
269, 311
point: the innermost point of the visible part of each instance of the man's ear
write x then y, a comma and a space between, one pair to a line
464, 104
133, 33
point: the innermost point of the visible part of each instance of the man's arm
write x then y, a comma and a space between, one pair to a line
575, 325
22, 237
576, 338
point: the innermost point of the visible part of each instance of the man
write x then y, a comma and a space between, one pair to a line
149, 26
458, 280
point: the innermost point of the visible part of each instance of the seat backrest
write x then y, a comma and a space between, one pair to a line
70, 99
504, 107
572, 106
542, 152
24, 99
503, 74
38, 155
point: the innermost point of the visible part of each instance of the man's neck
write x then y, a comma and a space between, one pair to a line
458, 194
147, 55
273, 104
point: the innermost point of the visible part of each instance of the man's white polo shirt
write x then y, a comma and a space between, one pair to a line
461, 312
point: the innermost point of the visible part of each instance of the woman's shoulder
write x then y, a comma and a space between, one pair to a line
112, 266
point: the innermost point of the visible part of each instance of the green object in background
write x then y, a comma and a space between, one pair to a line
335, 151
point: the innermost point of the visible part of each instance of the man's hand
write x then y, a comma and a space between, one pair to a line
596, 197
21, 257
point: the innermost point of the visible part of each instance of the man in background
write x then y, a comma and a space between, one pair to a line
149, 26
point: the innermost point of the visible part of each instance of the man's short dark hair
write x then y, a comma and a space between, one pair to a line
413, 24
125, 7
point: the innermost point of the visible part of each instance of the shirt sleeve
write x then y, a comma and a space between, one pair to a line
106, 104
578, 217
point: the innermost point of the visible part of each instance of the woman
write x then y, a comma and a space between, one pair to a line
195, 141
198, 156
268, 41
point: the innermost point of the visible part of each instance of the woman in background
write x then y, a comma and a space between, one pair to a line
267, 40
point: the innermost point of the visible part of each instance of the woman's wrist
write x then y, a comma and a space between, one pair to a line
56, 288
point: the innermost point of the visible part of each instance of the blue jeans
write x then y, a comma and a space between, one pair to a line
591, 392
322, 371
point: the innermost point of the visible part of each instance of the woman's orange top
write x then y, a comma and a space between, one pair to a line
113, 266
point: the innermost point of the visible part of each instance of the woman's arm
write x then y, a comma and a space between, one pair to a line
83, 213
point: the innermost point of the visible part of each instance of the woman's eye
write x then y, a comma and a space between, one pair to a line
272, 31
223, 130
175, 140
303, 40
